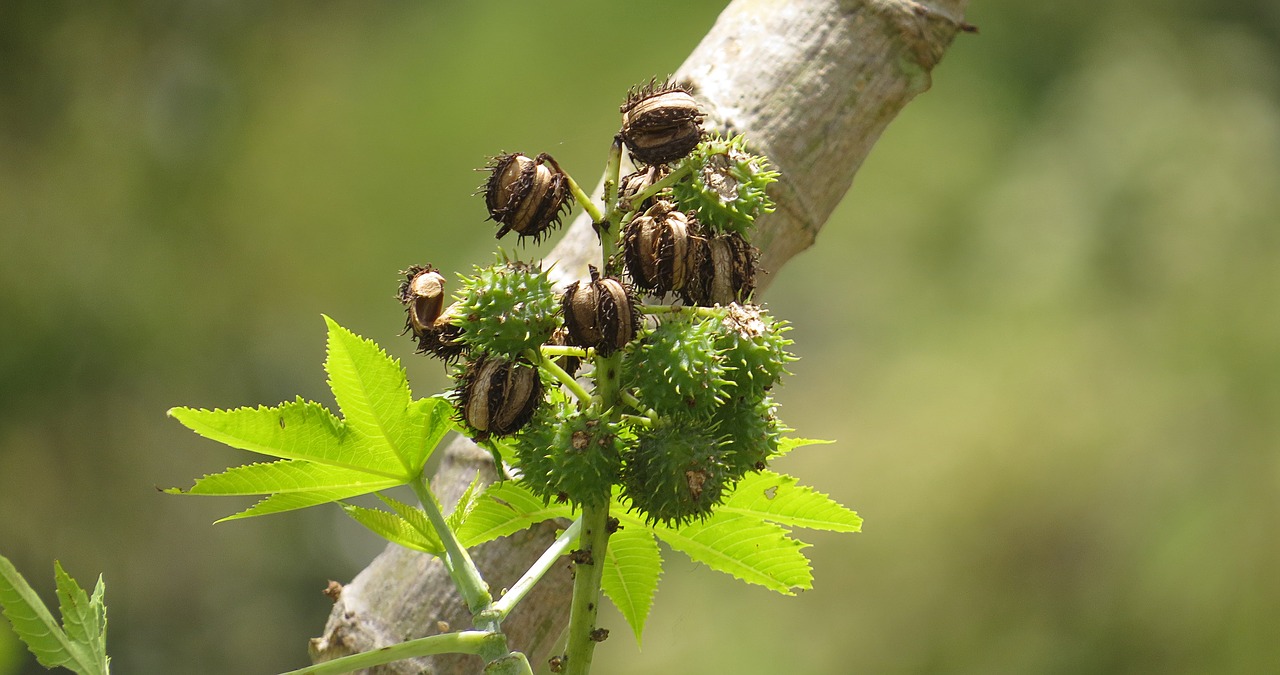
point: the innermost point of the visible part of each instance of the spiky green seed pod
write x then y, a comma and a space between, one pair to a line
676, 472
750, 431
507, 308
677, 369
753, 345
727, 186
570, 455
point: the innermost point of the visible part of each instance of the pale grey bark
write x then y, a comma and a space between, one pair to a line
812, 84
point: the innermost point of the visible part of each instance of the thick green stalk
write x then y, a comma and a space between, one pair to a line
462, 642
522, 587
475, 592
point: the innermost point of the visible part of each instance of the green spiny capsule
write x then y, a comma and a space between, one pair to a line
750, 430
677, 369
507, 308
676, 472
727, 188
568, 455
754, 347
497, 396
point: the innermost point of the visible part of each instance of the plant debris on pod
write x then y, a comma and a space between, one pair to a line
527, 195
676, 472
661, 249
660, 122
507, 308
600, 314
496, 396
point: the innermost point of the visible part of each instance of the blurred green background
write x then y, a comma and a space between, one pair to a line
1044, 326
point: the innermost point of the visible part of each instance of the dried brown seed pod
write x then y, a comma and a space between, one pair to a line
633, 183
725, 272
432, 327
527, 195
422, 294
569, 364
600, 313
660, 248
497, 396
660, 122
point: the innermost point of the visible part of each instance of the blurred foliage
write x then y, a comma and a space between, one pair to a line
1043, 326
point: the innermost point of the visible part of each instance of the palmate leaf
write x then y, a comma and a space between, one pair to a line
81, 645
384, 439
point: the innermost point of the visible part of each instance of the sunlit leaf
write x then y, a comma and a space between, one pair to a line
777, 498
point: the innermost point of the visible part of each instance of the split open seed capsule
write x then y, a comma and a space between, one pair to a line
422, 294
600, 314
527, 195
660, 123
498, 396
659, 249
726, 271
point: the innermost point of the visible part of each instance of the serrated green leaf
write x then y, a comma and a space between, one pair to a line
416, 517
466, 503
743, 546
34, 625
393, 528
295, 430
788, 444
286, 476
430, 419
633, 565
292, 501
372, 391
80, 618
776, 497
506, 508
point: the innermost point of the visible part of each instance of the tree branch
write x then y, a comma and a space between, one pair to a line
813, 84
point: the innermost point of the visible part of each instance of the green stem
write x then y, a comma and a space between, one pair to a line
586, 589
583, 198
684, 169
565, 378
708, 312
594, 541
522, 587
461, 642
563, 350
465, 575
